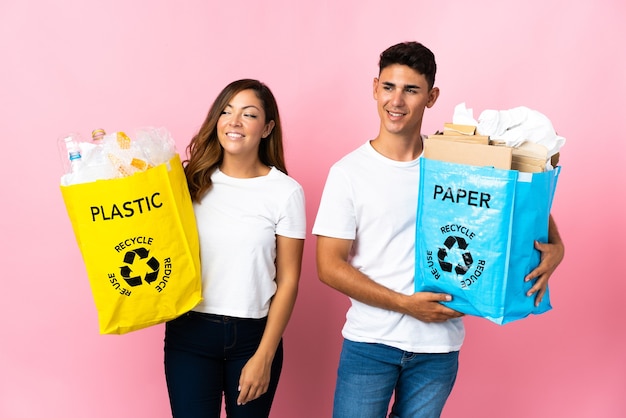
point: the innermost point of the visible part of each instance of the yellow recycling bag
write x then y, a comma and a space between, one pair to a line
139, 241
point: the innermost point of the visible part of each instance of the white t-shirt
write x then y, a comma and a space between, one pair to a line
238, 220
372, 200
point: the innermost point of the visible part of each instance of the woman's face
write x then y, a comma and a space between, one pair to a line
242, 126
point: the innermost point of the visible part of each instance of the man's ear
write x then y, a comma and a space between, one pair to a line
433, 94
375, 88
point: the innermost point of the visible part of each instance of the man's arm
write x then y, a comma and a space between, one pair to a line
334, 270
552, 254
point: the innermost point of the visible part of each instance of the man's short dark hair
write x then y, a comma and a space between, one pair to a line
412, 54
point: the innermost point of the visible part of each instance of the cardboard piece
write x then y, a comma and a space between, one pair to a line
468, 153
532, 150
457, 129
470, 139
529, 157
524, 167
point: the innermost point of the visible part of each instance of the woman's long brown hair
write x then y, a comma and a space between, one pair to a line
205, 153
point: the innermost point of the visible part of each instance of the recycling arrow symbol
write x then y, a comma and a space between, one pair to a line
449, 245
152, 263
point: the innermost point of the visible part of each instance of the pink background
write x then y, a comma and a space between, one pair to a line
79, 65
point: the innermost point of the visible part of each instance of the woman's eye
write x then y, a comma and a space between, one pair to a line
250, 115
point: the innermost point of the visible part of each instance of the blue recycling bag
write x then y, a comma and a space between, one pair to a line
475, 234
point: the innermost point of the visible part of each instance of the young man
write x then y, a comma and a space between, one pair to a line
394, 339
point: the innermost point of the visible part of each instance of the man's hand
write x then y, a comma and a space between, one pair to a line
426, 307
551, 256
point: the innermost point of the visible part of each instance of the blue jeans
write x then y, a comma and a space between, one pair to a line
369, 373
204, 356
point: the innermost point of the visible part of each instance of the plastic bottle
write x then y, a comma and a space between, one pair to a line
97, 135
71, 156
97, 164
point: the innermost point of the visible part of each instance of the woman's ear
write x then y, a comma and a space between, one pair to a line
268, 128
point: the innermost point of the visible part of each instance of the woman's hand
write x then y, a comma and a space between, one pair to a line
254, 379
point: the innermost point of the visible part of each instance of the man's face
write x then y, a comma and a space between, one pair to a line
402, 95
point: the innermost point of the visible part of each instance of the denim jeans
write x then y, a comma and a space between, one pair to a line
204, 356
369, 373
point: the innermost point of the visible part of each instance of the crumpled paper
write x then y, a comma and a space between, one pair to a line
513, 126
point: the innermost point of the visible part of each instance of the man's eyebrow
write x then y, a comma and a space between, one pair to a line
406, 86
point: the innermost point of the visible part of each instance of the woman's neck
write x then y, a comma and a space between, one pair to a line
234, 167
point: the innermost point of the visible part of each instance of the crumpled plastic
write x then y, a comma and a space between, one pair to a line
513, 126
118, 155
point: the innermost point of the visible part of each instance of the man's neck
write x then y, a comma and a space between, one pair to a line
398, 148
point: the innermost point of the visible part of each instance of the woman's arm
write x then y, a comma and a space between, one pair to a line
255, 376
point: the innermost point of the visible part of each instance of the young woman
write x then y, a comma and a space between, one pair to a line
251, 222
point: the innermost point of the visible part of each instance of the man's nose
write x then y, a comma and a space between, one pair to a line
397, 97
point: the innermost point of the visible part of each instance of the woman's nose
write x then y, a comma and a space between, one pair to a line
235, 119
